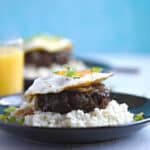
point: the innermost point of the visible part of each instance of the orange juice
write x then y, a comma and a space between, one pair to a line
11, 70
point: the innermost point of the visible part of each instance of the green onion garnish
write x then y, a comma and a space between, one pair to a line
3, 117
139, 116
97, 69
11, 118
10, 110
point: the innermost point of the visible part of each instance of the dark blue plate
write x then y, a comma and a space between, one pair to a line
83, 135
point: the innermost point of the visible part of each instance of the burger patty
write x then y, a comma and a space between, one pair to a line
42, 58
97, 96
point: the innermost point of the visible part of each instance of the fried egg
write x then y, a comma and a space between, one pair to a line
50, 44
55, 83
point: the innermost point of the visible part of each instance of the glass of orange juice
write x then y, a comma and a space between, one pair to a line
11, 70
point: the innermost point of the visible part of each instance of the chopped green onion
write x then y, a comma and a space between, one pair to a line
97, 69
71, 73
20, 121
139, 116
12, 119
9, 117
10, 110
3, 117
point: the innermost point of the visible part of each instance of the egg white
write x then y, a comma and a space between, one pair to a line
48, 45
56, 83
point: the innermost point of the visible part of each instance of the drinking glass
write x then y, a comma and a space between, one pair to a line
11, 69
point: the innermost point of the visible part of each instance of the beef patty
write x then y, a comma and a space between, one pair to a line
85, 98
43, 58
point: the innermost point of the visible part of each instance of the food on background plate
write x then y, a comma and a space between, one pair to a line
44, 54
70, 99
50, 49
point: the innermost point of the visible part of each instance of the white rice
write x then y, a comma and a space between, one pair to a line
113, 114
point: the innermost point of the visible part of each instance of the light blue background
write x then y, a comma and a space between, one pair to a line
93, 25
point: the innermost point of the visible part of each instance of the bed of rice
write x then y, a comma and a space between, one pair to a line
113, 114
